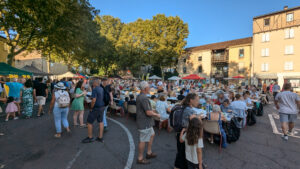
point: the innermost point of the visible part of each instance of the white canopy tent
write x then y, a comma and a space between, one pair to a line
65, 75
154, 77
174, 78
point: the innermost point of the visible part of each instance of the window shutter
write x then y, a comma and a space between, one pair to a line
286, 49
266, 67
267, 37
286, 66
267, 52
287, 33
291, 49
291, 66
263, 67
263, 37
291, 33
263, 52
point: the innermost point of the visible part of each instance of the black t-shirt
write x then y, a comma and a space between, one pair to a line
180, 97
40, 89
108, 88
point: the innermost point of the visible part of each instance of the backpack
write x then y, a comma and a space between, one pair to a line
106, 96
63, 100
232, 132
176, 117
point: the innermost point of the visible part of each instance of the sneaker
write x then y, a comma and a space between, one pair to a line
285, 138
291, 133
100, 140
16, 118
87, 140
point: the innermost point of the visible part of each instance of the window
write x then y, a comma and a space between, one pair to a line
264, 67
241, 53
265, 52
265, 37
288, 66
200, 69
267, 22
289, 33
289, 50
289, 17
200, 58
184, 69
241, 67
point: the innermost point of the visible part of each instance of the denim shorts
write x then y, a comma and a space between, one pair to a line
291, 118
96, 113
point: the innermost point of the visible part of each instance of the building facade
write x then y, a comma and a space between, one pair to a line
3, 50
276, 52
218, 60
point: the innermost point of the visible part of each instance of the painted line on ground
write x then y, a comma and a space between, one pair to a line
131, 144
275, 130
74, 159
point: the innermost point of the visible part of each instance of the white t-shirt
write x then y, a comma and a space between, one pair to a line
287, 102
191, 151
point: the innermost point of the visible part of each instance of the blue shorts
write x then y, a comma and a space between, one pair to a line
96, 113
291, 118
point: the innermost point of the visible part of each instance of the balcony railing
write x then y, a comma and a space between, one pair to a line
216, 58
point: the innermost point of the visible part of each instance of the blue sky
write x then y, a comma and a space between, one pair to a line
209, 21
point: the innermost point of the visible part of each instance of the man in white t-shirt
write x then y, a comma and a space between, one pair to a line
287, 104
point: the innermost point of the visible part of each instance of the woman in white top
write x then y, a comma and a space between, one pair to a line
193, 143
162, 108
60, 102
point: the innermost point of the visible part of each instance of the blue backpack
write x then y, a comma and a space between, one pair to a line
176, 117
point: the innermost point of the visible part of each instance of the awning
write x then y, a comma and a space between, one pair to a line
6, 69
292, 77
267, 76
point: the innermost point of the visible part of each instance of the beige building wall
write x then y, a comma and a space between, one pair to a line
277, 58
192, 63
3, 51
236, 62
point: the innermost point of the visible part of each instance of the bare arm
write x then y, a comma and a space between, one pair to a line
93, 103
152, 113
51, 104
34, 94
199, 156
181, 134
47, 93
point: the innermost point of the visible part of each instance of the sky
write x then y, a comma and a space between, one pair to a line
209, 21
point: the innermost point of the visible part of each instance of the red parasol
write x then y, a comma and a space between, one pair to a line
238, 77
193, 77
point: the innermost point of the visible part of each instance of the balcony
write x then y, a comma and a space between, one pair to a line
220, 57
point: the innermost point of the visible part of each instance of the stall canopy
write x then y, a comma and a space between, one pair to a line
174, 78
238, 77
193, 77
154, 77
66, 75
35, 71
6, 69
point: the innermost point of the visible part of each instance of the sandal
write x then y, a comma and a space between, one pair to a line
149, 156
57, 135
143, 161
83, 126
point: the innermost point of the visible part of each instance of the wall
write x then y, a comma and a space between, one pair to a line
192, 63
3, 51
235, 59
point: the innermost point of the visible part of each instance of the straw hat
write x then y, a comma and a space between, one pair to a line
60, 85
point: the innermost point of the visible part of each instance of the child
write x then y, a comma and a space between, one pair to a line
11, 108
193, 143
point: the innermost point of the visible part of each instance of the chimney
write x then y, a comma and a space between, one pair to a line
285, 7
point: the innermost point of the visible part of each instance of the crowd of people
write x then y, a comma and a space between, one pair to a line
154, 101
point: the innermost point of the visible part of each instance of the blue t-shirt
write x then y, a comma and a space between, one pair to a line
98, 93
14, 89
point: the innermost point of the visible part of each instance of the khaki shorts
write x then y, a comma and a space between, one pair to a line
146, 134
41, 100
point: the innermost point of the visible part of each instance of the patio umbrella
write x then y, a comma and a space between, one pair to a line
193, 77
154, 77
174, 78
6, 69
238, 77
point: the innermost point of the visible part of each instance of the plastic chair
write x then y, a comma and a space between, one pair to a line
213, 127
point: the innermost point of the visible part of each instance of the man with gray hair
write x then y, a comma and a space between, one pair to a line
145, 123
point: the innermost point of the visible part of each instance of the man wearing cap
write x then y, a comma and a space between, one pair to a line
98, 107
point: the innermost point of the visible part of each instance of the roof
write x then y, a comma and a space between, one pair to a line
221, 45
277, 12
35, 71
